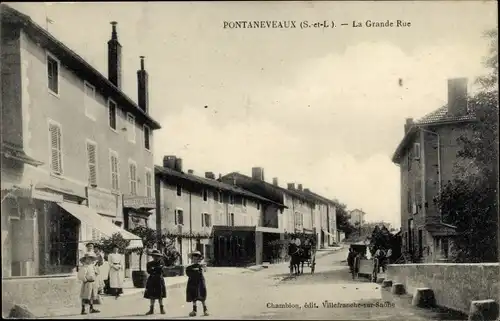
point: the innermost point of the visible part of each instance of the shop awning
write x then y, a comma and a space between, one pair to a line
90, 217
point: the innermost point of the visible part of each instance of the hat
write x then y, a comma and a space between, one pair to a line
89, 244
195, 253
155, 253
89, 255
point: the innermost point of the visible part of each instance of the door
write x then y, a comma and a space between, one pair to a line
420, 244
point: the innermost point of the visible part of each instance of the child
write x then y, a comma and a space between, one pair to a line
155, 285
87, 274
196, 289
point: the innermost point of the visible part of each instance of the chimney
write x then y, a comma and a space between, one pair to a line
275, 181
291, 186
142, 87
178, 164
210, 175
457, 97
190, 171
307, 190
258, 173
169, 161
408, 124
299, 187
114, 58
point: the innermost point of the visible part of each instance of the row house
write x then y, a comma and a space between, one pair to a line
77, 155
426, 157
222, 221
326, 219
297, 214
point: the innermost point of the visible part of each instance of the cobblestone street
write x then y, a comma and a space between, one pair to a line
244, 294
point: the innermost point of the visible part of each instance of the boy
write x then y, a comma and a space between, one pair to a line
87, 274
196, 289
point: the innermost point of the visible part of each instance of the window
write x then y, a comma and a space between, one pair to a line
205, 195
112, 114
218, 196
53, 74
131, 128
115, 172
147, 137
231, 222
231, 199
408, 201
149, 183
89, 100
206, 220
92, 162
409, 160
420, 243
55, 148
258, 205
416, 150
133, 177
244, 201
179, 217
179, 190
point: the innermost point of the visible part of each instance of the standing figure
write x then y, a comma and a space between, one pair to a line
155, 285
350, 259
99, 266
196, 289
87, 274
116, 269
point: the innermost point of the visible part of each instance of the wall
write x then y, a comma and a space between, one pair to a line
454, 285
41, 295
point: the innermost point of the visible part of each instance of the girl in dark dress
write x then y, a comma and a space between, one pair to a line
155, 285
196, 289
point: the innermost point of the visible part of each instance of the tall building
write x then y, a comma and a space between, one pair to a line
357, 217
426, 157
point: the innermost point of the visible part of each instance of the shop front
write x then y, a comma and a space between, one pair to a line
136, 212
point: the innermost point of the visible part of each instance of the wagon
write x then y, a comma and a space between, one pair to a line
362, 266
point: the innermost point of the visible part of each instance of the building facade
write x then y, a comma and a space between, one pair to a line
426, 157
357, 217
220, 220
326, 219
91, 145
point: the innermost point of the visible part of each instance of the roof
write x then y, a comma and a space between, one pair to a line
165, 171
297, 194
320, 198
438, 117
75, 62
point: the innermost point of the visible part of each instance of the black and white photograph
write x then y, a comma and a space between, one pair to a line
272, 160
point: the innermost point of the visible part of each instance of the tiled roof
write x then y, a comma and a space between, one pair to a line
441, 115
212, 183
320, 198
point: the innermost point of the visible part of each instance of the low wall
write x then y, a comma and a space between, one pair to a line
454, 285
41, 294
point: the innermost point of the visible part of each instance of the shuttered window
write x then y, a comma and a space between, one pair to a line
55, 148
112, 114
147, 138
53, 75
179, 217
131, 128
149, 183
92, 162
133, 178
115, 172
89, 101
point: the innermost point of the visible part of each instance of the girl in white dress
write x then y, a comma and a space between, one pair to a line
116, 272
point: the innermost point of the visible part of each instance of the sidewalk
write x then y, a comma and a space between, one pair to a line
171, 282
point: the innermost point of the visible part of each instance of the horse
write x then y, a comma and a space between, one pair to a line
296, 253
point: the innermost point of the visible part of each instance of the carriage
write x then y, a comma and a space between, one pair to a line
302, 253
364, 267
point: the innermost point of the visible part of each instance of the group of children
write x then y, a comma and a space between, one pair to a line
155, 289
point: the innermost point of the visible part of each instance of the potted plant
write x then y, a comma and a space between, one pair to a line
171, 256
149, 240
108, 243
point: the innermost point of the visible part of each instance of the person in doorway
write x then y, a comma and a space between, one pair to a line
87, 274
155, 285
116, 272
196, 289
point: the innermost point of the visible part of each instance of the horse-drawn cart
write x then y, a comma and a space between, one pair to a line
362, 266
302, 253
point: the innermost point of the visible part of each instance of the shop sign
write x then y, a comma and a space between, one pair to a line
139, 202
102, 202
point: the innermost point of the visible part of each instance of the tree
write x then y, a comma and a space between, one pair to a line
170, 253
470, 201
116, 240
343, 217
149, 239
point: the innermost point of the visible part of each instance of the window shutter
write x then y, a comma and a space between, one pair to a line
176, 214
114, 173
181, 217
112, 114
92, 162
55, 142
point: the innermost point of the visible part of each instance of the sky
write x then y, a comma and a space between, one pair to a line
319, 107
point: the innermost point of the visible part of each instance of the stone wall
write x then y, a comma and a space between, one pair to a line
454, 285
41, 295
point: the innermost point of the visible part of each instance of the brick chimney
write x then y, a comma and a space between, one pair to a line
210, 175
114, 58
169, 161
457, 97
291, 186
142, 87
408, 124
258, 173
299, 187
190, 171
275, 181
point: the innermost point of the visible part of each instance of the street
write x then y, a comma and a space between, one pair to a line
242, 294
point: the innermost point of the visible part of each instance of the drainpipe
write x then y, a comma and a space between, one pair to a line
190, 224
